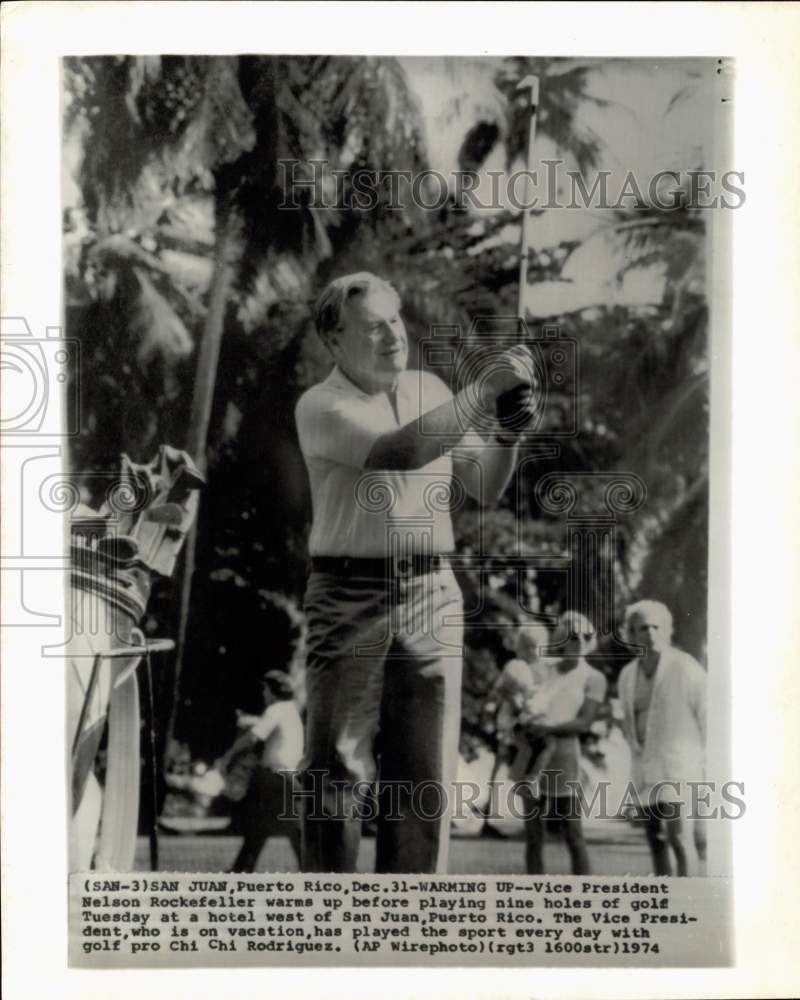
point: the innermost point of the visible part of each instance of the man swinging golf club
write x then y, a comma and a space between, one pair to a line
384, 632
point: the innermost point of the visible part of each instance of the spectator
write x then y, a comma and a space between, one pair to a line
573, 693
663, 695
266, 809
510, 696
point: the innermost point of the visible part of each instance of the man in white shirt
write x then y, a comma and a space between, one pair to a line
663, 696
385, 447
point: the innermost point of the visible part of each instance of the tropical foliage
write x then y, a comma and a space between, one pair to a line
192, 263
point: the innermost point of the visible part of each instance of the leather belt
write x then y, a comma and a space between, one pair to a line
379, 569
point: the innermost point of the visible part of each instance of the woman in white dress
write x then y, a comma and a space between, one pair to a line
572, 694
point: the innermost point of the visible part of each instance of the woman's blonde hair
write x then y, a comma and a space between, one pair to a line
574, 623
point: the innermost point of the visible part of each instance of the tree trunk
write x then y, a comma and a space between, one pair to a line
202, 403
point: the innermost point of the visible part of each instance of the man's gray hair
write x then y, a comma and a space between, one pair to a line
655, 608
331, 303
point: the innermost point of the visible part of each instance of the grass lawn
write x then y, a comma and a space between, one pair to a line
618, 852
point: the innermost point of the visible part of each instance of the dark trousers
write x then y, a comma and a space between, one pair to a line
559, 811
383, 685
264, 812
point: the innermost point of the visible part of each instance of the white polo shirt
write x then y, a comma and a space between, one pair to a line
372, 514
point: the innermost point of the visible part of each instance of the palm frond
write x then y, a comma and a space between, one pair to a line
159, 330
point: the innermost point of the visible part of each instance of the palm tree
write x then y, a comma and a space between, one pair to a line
150, 133
166, 140
666, 440
182, 231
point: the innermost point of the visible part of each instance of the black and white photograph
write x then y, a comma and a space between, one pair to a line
387, 425
409, 362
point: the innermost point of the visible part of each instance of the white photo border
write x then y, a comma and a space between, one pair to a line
763, 496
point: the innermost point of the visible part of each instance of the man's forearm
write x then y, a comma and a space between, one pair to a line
410, 448
497, 463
